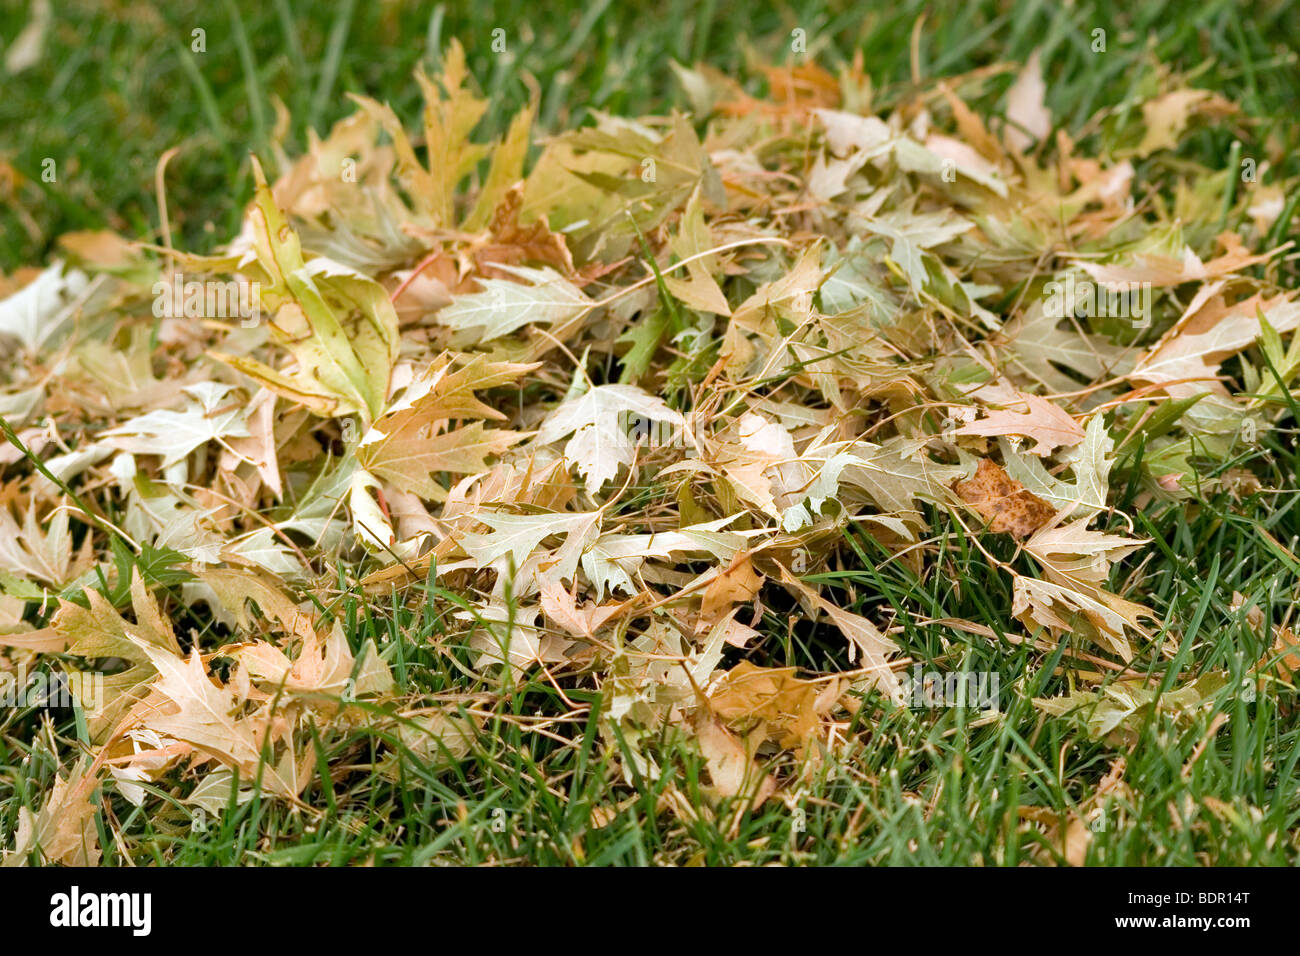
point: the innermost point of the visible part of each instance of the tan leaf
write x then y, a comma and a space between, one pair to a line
773, 696
1045, 422
732, 769
1029, 116
64, 830
99, 631
1167, 116
1160, 271
202, 714
561, 607
738, 582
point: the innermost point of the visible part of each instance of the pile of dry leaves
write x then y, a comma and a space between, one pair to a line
614, 402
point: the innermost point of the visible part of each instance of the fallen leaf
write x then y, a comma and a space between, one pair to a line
1045, 422
738, 582
1029, 116
1002, 502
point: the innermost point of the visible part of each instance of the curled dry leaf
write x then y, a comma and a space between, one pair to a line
1003, 502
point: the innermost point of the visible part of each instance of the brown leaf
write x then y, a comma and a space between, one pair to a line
1003, 502
732, 769
513, 244
788, 706
737, 583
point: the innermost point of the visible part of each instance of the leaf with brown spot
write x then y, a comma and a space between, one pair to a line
1003, 502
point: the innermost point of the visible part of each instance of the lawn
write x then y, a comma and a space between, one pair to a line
859, 459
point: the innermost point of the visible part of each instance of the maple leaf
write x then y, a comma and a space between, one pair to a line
64, 829
508, 636
732, 768
437, 736
338, 324
1159, 270
793, 487
43, 555
1062, 608
754, 319
788, 709
582, 179
612, 560
1186, 360
97, 632
450, 114
863, 636
811, 286
512, 243
320, 667
561, 607
1118, 710
1030, 118
1038, 342
173, 435
39, 310
850, 133
230, 592
405, 447
259, 448
599, 420
736, 582
1097, 549
517, 536
1045, 422
1167, 116
893, 474
202, 714
373, 524
410, 463
1077, 563
503, 306
1090, 463
699, 289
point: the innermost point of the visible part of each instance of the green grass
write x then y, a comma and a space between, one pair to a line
918, 788
118, 85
